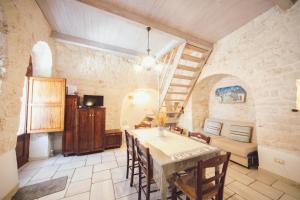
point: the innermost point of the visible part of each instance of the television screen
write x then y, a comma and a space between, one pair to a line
92, 100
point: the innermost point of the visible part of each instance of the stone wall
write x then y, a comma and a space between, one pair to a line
23, 25
98, 73
265, 55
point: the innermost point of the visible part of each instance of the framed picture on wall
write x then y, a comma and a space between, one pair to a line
231, 94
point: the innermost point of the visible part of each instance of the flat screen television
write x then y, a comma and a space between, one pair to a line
92, 100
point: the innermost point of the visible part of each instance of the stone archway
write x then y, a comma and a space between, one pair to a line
205, 105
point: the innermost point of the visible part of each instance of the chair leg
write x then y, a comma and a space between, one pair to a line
132, 172
127, 165
174, 191
148, 189
140, 183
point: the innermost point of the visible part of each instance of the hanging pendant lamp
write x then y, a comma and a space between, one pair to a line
148, 61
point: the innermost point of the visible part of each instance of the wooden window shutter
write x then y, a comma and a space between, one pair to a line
46, 105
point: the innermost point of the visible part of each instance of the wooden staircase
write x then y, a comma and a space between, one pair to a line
182, 67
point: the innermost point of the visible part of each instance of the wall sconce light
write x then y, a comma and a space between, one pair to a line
140, 97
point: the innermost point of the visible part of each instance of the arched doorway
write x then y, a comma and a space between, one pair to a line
205, 104
40, 64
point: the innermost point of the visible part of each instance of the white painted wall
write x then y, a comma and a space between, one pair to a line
271, 159
39, 147
8, 173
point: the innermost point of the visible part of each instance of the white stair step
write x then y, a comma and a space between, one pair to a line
179, 85
181, 93
187, 68
191, 58
174, 99
178, 76
194, 48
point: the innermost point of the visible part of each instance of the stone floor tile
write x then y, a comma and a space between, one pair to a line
241, 169
239, 176
102, 190
130, 197
31, 182
123, 189
262, 176
246, 192
61, 173
122, 161
72, 165
266, 190
108, 153
118, 174
83, 196
228, 180
82, 173
236, 197
101, 176
120, 154
228, 193
92, 160
287, 188
78, 187
105, 166
63, 160
106, 159
79, 158
287, 197
45, 172
25, 176
54, 196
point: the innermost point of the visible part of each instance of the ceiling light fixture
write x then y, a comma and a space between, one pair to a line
148, 61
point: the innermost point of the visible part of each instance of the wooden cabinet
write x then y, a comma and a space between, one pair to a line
84, 128
90, 129
113, 138
69, 140
46, 105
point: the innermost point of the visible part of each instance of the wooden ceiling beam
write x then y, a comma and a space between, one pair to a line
121, 12
284, 4
92, 44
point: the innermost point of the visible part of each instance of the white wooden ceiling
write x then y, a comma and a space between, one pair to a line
209, 20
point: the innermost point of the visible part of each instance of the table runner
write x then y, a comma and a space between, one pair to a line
172, 153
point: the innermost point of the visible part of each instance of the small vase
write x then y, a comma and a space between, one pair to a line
161, 131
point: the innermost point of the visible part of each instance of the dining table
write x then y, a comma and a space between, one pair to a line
171, 153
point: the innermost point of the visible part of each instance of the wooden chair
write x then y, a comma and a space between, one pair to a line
137, 126
145, 169
131, 157
200, 136
198, 187
176, 129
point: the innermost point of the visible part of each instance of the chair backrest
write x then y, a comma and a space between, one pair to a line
130, 143
212, 186
200, 136
176, 129
144, 159
137, 126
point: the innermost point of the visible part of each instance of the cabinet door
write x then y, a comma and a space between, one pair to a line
99, 128
46, 105
84, 130
69, 133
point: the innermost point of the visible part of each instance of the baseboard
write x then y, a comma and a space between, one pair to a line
11, 193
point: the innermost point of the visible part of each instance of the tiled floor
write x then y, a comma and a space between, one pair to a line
102, 176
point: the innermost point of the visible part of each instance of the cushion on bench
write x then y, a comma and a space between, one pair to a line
235, 147
212, 127
240, 133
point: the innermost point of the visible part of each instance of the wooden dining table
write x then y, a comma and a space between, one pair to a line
171, 153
